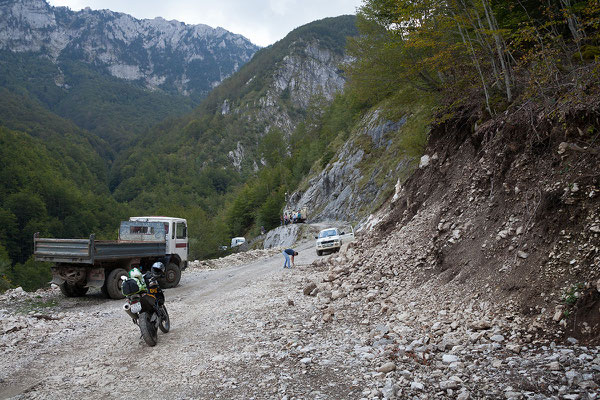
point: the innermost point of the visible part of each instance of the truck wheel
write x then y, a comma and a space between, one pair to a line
104, 291
113, 283
73, 290
319, 252
171, 278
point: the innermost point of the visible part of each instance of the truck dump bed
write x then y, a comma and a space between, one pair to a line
137, 240
88, 251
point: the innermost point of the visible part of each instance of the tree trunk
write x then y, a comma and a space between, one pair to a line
469, 45
500, 48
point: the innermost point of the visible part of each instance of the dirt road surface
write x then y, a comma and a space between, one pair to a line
345, 327
232, 337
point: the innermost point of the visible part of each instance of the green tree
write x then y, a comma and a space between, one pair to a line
272, 147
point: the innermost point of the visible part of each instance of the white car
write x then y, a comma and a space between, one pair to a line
237, 241
328, 240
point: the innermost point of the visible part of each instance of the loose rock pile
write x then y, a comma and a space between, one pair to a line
235, 259
423, 338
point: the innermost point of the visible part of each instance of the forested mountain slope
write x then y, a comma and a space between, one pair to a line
111, 108
54, 178
110, 73
194, 166
248, 129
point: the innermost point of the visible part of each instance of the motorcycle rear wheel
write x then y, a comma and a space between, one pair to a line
148, 329
165, 322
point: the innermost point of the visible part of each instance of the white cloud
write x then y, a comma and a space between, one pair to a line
263, 22
282, 7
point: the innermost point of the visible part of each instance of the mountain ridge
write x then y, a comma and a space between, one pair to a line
166, 55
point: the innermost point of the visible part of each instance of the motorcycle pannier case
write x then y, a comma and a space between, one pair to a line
130, 286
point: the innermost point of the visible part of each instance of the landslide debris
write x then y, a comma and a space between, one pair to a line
482, 273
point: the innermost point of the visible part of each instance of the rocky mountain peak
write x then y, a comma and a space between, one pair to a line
167, 55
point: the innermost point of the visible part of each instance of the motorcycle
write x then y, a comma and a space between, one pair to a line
146, 302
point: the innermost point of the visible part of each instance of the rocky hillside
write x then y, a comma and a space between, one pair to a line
361, 175
278, 89
167, 55
501, 218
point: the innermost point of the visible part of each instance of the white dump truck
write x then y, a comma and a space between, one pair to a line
81, 264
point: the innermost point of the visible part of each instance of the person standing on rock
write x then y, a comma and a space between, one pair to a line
287, 253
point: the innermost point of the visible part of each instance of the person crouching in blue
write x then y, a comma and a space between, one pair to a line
287, 253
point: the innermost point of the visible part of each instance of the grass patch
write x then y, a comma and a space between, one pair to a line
36, 304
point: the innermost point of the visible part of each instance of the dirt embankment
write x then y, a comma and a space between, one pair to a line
509, 213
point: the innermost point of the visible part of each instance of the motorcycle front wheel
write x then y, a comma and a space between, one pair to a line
165, 322
148, 329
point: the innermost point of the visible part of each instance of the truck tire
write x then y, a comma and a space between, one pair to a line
104, 291
113, 283
73, 290
319, 252
172, 276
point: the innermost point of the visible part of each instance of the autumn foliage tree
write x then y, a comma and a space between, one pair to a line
495, 49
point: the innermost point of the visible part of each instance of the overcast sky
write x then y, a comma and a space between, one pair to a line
262, 21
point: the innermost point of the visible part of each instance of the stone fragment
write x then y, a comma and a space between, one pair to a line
497, 338
480, 325
503, 234
449, 358
464, 395
389, 390
425, 160
515, 348
558, 313
522, 254
310, 289
554, 366
449, 384
387, 367
588, 385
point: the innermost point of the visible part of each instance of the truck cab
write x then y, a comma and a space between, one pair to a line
176, 237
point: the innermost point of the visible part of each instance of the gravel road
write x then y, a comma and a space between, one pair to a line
230, 338
344, 327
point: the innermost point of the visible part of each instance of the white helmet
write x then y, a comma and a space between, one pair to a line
158, 268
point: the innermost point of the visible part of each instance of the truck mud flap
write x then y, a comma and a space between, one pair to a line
56, 278
95, 278
73, 275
